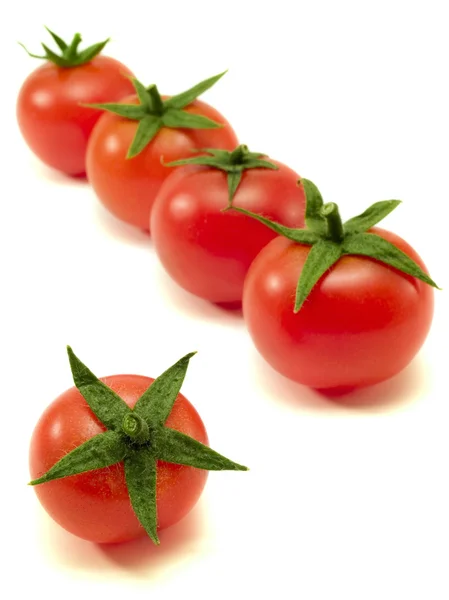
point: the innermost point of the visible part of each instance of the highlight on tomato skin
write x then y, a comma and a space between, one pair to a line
51, 111
205, 248
338, 306
121, 457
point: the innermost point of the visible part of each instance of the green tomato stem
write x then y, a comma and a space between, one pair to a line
238, 155
334, 223
136, 428
72, 50
157, 105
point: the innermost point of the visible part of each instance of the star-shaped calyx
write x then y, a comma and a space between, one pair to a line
70, 55
137, 437
153, 112
232, 163
330, 239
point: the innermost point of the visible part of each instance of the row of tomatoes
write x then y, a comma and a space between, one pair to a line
329, 304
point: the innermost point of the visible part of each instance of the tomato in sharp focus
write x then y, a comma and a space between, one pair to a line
96, 505
51, 119
208, 251
362, 323
127, 187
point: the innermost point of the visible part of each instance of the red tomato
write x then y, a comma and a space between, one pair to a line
128, 187
362, 323
95, 505
207, 251
50, 117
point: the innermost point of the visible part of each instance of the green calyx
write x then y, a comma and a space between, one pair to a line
137, 437
331, 239
233, 163
153, 112
70, 55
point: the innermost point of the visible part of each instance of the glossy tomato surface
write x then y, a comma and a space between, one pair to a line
208, 251
52, 121
95, 505
361, 324
128, 187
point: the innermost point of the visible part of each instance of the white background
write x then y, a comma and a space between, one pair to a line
342, 501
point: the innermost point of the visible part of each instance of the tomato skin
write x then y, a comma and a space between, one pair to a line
362, 323
95, 505
207, 251
128, 187
51, 120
